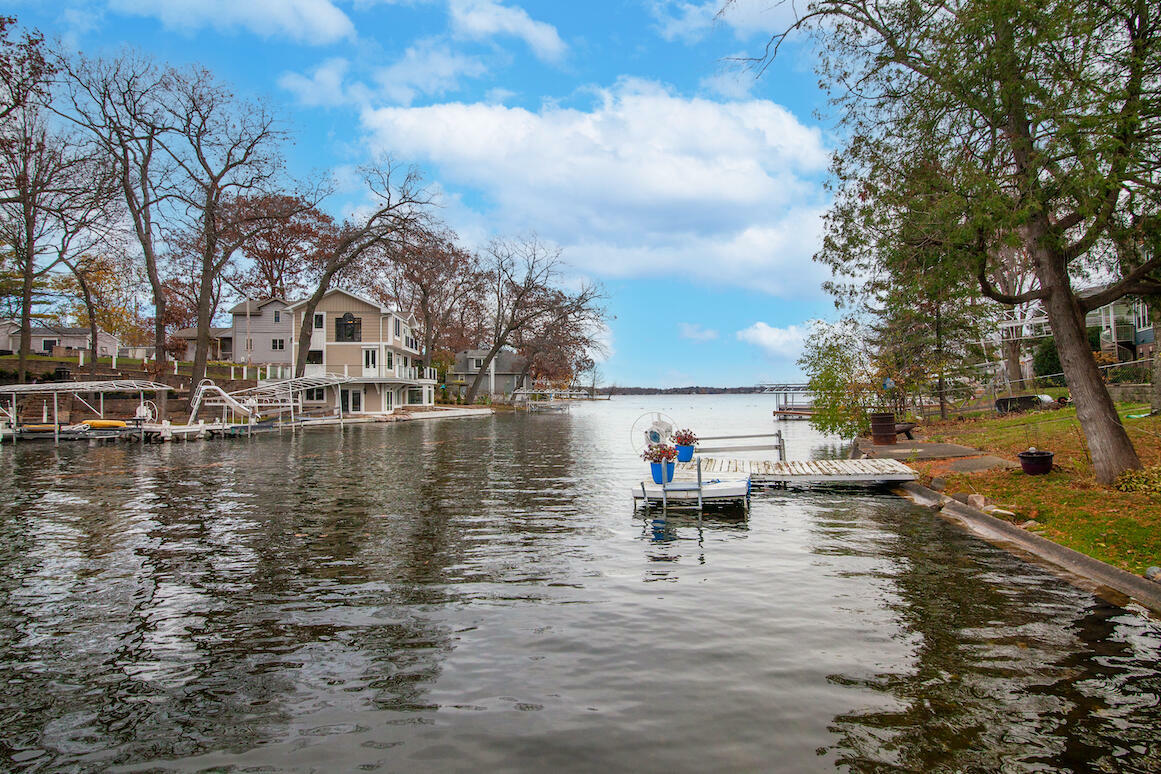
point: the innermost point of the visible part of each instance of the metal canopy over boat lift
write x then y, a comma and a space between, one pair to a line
76, 389
270, 398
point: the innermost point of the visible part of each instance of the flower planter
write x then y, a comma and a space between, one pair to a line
1035, 463
883, 429
655, 467
684, 453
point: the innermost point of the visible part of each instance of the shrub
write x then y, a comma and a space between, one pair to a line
1046, 361
1146, 480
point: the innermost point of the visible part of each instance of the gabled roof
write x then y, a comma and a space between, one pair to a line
52, 330
382, 309
253, 305
215, 333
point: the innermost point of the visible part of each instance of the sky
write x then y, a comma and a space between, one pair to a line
626, 132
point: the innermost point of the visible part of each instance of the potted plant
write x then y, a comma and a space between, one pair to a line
684, 440
660, 457
1035, 462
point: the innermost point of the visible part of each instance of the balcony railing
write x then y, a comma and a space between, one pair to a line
407, 373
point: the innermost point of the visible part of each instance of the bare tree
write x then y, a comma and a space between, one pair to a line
227, 154
280, 258
118, 103
429, 275
560, 346
24, 70
399, 207
520, 292
56, 194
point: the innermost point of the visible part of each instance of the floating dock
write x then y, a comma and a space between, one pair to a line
779, 473
684, 492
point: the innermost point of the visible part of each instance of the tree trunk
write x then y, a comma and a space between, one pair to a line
205, 317
1011, 350
475, 388
305, 330
25, 321
1155, 319
91, 311
940, 361
1109, 445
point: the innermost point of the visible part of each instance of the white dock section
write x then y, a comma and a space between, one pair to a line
768, 472
714, 492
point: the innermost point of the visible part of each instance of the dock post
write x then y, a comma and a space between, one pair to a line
55, 423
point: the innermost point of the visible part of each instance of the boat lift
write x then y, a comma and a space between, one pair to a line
276, 397
10, 415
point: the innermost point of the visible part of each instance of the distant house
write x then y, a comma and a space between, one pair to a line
503, 376
261, 332
372, 344
221, 343
46, 337
1126, 331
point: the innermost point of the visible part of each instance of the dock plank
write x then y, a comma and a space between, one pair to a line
806, 471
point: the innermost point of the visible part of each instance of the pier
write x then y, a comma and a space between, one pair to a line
783, 472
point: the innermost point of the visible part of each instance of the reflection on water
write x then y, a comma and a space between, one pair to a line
478, 594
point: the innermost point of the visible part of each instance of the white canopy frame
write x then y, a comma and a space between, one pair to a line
76, 389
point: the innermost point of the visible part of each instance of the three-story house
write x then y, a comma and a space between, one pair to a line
374, 345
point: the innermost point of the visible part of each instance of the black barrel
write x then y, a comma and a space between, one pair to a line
883, 429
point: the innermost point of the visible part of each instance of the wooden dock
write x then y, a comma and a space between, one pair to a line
773, 472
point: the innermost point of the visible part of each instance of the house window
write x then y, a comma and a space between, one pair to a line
398, 327
348, 328
320, 321
415, 396
48, 344
278, 344
277, 316
249, 345
390, 359
479, 363
314, 357
316, 394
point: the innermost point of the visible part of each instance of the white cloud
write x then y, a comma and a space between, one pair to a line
781, 343
324, 86
734, 83
683, 20
695, 332
427, 68
480, 19
642, 182
307, 21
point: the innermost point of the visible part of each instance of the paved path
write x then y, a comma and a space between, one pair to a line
962, 459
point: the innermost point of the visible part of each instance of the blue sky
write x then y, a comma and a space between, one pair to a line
617, 129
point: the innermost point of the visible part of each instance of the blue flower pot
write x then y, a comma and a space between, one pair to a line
684, 453
655, 467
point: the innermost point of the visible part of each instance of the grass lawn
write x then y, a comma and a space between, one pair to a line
1121, 528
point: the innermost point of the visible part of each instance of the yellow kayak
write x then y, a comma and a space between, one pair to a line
104, 424
37, 428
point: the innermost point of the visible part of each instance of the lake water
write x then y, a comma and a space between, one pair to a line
478, 595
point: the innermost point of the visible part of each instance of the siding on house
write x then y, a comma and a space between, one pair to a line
70, 337
383, 388
508, 367
263, 330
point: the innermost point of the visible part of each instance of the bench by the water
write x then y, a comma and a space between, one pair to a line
777, 472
